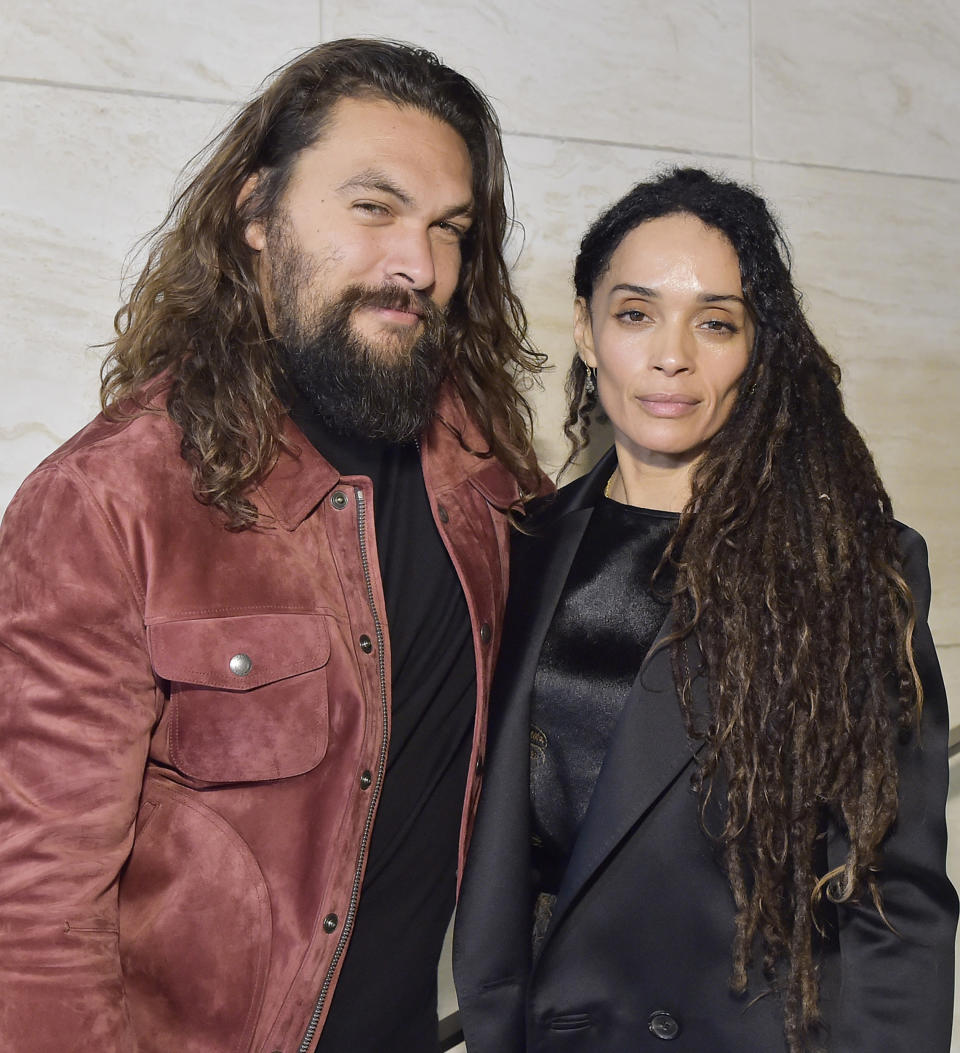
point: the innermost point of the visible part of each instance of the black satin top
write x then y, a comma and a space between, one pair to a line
608, 616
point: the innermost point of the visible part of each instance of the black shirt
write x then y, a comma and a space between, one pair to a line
386, 996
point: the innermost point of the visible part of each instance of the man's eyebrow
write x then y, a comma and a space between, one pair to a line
374, 179
466, 210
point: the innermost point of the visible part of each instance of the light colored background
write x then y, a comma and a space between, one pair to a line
844, 114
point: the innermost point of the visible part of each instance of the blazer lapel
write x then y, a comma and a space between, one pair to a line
648, 752
539, 569
500, 844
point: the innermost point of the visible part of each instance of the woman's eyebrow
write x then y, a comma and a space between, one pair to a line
639, 290
717, 297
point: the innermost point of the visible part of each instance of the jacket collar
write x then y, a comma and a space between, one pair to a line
581, 494
299, 480
302, 478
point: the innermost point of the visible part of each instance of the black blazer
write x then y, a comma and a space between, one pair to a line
639, 947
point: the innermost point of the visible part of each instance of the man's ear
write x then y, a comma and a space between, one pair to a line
583, 332
254, 233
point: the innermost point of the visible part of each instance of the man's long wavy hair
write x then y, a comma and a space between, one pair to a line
789, 578
195, 321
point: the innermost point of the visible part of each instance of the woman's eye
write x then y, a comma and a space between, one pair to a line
632, 315
719, 325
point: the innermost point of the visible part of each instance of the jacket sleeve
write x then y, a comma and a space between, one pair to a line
77, 705
896, 990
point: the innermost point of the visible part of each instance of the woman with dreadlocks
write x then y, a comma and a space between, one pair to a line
716, 774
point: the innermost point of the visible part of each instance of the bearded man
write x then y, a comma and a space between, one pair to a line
249, 614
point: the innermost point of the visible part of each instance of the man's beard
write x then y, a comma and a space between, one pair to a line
354, 386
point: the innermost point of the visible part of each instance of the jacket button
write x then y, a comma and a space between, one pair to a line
366, 644
339, 499
485, 632
241, 664
365, 779
663, 1025
330, 922
442, 514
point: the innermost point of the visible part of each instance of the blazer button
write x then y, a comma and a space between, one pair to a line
663, 1025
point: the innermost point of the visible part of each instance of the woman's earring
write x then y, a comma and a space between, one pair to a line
590, 384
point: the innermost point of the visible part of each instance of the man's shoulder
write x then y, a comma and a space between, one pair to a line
145, 440
125, 459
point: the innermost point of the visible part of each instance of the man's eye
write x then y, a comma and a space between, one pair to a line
453, 229
371, 208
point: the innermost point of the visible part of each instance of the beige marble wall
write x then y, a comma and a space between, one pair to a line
844, 115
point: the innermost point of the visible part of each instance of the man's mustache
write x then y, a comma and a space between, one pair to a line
393, 298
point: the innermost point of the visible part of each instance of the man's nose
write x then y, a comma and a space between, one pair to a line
410, 260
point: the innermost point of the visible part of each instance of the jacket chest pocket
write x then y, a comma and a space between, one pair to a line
248, 694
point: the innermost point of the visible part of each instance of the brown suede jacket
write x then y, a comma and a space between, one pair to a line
193, 732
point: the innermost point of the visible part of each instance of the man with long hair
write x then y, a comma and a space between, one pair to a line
248, 615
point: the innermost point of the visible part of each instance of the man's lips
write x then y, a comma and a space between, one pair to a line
668, 404
406, 316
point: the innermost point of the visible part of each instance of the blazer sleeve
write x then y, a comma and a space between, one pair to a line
77, 705
896, 991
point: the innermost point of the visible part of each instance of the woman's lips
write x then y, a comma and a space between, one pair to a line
667, 404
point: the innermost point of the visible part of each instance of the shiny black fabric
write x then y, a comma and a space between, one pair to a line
608, 616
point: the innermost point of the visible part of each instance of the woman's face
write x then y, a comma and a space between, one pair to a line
668, 332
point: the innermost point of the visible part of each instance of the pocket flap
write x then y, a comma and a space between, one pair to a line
239, 653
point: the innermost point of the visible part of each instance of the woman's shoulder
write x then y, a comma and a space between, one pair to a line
546, 514
916, 571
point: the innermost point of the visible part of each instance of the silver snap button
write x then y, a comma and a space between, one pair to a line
241, 664
485, 632
339, 499
366, 644
330, 922
442, 514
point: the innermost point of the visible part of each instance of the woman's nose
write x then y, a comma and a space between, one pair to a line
673, 350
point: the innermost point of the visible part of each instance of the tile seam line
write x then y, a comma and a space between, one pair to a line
101, 89
685, 151
751, 89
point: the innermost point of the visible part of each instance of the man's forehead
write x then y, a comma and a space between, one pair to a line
375, 131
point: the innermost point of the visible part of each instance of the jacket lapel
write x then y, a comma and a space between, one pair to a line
544, 566
648, 751
500, 849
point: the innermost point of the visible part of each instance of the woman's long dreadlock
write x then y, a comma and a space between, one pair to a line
789, 577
